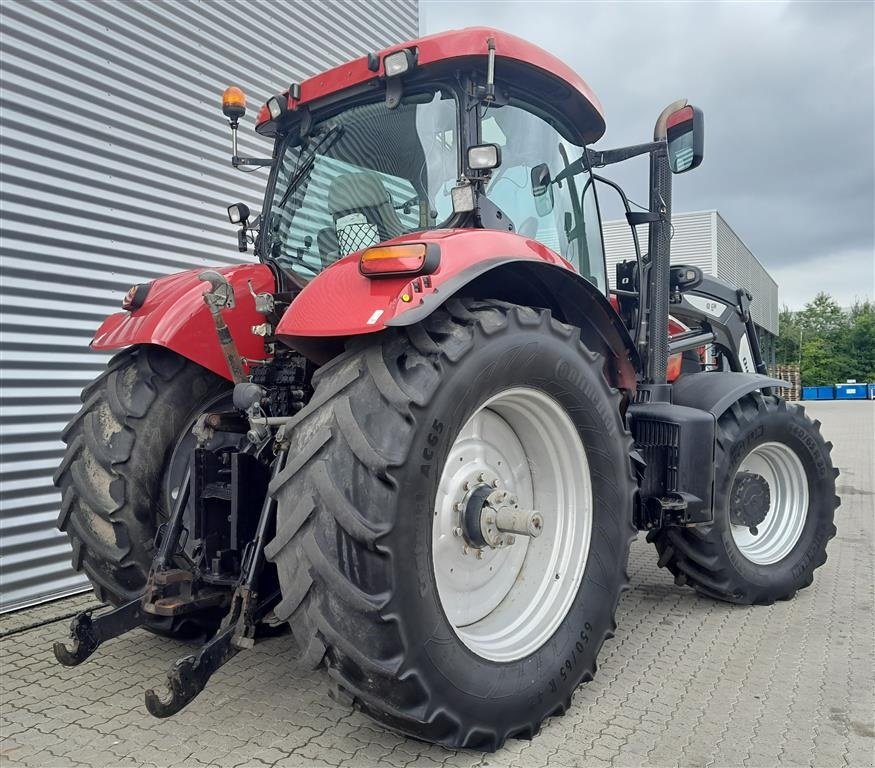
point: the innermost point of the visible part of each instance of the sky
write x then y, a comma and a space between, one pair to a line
788, 94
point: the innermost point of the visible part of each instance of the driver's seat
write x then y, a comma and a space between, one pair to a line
362, 210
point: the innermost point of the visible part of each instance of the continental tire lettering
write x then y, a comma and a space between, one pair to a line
564, 372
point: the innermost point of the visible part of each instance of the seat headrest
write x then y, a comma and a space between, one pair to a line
353, 191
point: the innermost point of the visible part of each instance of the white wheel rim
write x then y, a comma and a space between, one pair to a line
778, 533
508, 602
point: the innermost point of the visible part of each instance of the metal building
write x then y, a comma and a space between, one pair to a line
704, 239
115, 170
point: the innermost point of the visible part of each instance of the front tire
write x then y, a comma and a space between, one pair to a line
752, 557
361, 517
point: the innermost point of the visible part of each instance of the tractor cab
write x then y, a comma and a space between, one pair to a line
462, 130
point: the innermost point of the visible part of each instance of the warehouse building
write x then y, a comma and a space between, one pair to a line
116, 169
704, 239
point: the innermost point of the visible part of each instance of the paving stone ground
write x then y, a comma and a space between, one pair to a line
686, 681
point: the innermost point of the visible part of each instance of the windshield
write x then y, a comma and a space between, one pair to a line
361, 177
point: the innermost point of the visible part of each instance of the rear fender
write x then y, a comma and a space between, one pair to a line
175, 316
341, 303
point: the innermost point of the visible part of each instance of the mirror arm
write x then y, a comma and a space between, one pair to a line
257, 161
601, 158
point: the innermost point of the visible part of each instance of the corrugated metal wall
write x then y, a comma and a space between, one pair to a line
704, 239
740, 267
690, 244
115, 169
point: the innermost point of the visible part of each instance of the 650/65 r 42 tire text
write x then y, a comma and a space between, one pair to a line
125, 447
415, 447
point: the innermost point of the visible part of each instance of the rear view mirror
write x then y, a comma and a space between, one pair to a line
685, 134
542, 189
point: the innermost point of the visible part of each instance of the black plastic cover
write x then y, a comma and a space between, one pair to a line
677, 445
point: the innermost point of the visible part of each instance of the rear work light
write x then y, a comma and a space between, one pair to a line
399, 260
398, 63
277, 106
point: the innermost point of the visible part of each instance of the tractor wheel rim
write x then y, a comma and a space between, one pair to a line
507, 602
779, 532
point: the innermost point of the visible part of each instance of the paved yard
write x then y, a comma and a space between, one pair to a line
686, 681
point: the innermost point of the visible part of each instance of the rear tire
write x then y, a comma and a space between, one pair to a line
112, 477
726, 561
357, 508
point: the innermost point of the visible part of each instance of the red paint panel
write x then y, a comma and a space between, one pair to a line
681, 116
174, 316
343, 302
456, 43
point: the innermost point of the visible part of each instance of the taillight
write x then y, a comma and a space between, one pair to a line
399, 260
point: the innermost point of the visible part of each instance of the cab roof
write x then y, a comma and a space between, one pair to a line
528, 72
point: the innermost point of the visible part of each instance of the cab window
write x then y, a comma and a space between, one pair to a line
563, 215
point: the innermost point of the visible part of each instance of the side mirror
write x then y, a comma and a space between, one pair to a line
685, 135
542, 189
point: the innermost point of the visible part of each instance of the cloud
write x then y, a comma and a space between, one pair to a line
787, 91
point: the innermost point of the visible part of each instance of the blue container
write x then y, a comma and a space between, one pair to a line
809, 393
826, 393
872, 391
851, 391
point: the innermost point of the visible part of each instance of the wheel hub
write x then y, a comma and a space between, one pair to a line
493, 518
768, 503
750, 500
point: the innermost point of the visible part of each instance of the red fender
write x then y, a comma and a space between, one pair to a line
174, 316
341, 302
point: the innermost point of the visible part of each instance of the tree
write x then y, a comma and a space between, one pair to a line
822, 316
825, 342
787, 345
861, 341
835, 345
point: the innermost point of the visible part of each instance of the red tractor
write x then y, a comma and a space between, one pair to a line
421, 429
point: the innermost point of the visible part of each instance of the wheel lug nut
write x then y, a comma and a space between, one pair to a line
465, 549
457, 531
510, 540
481, 477
458, 506
479, 554
495, 483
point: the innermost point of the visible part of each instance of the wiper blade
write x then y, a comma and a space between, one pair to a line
332, 134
